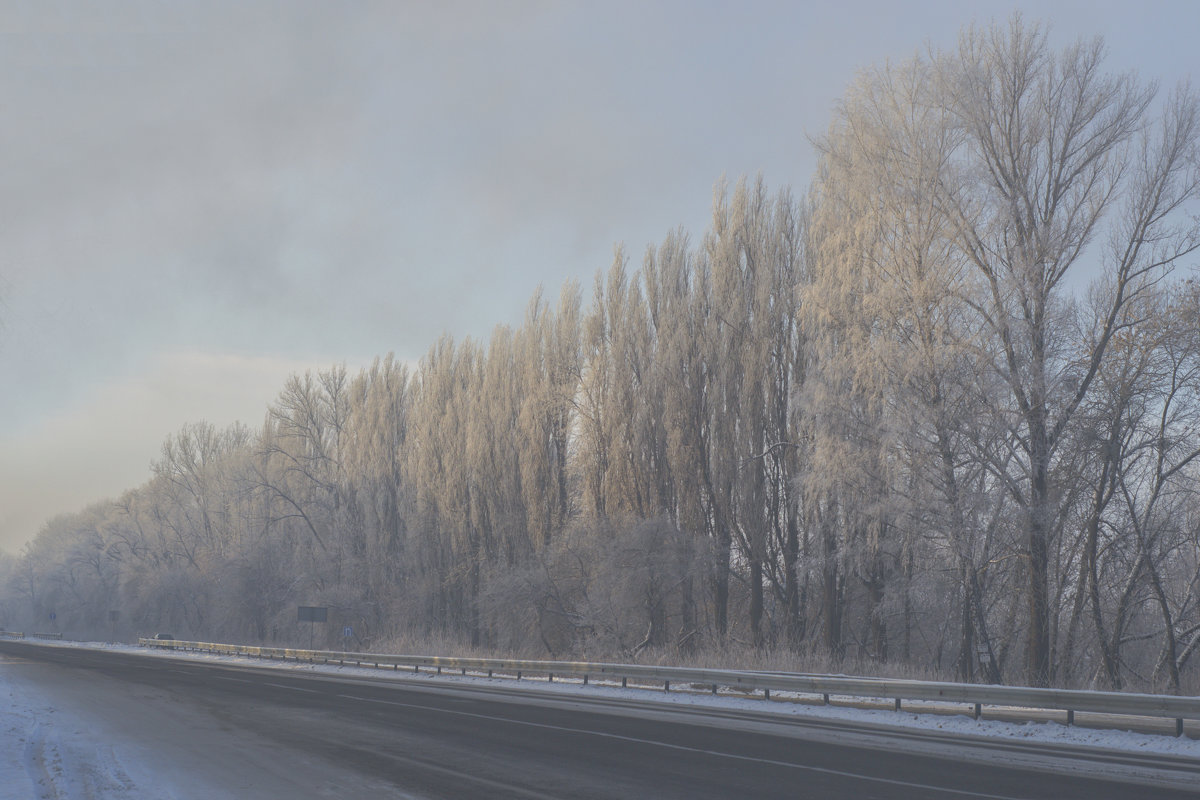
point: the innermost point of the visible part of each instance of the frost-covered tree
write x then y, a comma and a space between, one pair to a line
1063, 167
885, 423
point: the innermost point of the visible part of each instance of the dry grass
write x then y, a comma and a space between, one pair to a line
711, 657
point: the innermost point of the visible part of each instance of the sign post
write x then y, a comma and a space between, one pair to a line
312, 615
984, 654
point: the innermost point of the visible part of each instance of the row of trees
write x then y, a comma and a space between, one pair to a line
942, 412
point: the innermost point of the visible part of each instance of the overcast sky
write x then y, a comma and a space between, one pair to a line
198, 199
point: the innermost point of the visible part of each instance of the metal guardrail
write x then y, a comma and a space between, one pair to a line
20, 635
976, 695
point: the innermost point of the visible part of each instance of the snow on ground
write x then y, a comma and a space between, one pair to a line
48, 752
108, 739
1050, 732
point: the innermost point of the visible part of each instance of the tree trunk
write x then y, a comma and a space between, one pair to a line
1038, 665
966, 642
756, 600
720, 582
791, 582
830, 580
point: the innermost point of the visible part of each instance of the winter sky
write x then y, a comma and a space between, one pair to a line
199, 198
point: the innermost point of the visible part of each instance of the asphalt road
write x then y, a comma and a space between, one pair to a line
420, 738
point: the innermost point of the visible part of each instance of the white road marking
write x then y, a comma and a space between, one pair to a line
669, 746
293, 688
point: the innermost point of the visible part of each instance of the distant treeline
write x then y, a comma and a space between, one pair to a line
941, 411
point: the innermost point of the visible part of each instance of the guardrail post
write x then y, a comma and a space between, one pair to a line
1070, 716
518, 674
1178, 727
624, 683
666, 686
766, 694
489, 673
585, 679
714, 688
978, 710
549, 677
825, 697
897, 703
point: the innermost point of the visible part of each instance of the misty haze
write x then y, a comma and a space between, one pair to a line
716, 352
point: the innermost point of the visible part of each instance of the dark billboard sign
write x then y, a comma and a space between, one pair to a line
313, 613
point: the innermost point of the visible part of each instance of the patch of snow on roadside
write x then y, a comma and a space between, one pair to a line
48, 754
